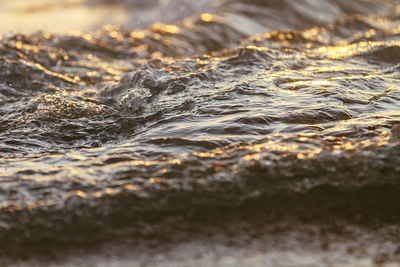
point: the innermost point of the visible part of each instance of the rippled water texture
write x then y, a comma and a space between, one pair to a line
220, 104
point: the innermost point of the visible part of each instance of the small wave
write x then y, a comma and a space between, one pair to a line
242, 104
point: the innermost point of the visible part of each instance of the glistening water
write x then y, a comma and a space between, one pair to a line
196, 107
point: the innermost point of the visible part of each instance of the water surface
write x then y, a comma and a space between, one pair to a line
176, 108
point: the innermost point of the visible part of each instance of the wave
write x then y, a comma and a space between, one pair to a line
267, 106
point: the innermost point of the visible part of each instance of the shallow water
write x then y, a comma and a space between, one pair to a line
221, 103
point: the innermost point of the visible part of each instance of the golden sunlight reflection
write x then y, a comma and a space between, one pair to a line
80, 193
165, 28
322, 69
301, 84
138, 34
150, 120
75, 79
345, 51
306, 146
132, 187
206, 17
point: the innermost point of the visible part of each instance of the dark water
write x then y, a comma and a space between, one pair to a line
231, 102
